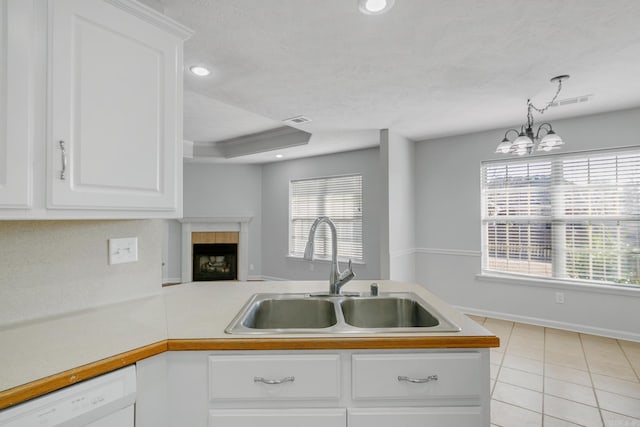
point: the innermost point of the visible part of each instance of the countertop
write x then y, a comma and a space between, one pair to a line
41, 356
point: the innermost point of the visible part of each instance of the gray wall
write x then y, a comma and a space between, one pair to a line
53, 267
448, 234
214, 190
275, 212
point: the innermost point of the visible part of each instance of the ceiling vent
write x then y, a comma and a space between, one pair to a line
569, 101
297, 120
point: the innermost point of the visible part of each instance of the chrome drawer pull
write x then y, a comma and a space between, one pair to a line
418, 380
63, 171
266, 381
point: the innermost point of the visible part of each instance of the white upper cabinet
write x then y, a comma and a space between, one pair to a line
111, 144
16, 103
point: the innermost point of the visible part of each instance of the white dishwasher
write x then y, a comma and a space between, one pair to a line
104, 401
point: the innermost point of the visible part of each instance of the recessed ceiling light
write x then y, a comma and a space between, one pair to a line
375, 7
199, 70
279, 156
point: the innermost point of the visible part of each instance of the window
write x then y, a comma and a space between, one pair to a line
339, 198
571, 216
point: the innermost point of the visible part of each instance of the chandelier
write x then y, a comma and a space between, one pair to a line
526, 142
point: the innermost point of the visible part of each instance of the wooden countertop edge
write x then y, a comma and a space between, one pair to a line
24, 392
332, 343
36, 388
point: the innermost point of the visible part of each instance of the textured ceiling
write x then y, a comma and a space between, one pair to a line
426, 69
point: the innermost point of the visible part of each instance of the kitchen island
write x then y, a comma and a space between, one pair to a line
42, 356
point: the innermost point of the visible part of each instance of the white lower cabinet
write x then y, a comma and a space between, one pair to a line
277, 417
417, 376
354, 388
416, 417
274, 377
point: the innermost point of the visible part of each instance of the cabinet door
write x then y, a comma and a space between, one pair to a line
272, 378
416, 417
277, 417
115, 109
420, 376
16, 99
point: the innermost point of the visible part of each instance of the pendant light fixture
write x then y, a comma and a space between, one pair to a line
526, 142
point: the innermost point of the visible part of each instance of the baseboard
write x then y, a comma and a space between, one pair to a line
591, 330
273, 279
171, 280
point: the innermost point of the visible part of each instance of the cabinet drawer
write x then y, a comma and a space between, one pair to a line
416, 417
418, 376
277, 417
281, 377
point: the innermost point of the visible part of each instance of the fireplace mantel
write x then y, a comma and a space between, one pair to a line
238, 223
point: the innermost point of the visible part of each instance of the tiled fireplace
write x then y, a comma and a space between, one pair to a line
215, 248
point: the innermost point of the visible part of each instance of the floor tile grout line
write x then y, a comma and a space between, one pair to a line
626, 356
593, 384
518, 406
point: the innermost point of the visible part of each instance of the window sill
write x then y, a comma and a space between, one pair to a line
559, 284
325, 260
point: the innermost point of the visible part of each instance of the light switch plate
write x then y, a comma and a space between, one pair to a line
123, 250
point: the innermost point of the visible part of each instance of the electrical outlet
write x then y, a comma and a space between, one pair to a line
123, 250
559, 297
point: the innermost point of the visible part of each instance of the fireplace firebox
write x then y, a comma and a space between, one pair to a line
215, 261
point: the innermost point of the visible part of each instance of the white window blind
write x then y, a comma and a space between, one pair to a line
339, 198
574, 216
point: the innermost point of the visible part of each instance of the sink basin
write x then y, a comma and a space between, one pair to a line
403, 312
299, 313
387, 312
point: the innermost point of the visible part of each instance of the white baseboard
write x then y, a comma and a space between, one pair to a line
610, 333
166, 280
273, 279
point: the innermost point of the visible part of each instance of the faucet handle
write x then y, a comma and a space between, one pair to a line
348, 273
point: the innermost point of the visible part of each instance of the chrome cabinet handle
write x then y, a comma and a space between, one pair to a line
64, 161
266, 381
418, 380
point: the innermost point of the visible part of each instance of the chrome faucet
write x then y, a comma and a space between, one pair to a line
336, 279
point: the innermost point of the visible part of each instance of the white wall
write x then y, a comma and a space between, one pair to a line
171, 251
214, 190
275, 212
448, 233
398, 154
53, 267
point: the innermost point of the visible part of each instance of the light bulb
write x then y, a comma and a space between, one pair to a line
551, 139
522, 141
504, 147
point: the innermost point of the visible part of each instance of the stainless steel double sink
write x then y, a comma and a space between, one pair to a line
327, 314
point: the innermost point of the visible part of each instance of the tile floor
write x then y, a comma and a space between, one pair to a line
555, 378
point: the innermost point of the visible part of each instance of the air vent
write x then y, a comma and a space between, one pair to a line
575, 100
297, 120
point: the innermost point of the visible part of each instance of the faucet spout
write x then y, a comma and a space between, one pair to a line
336, 279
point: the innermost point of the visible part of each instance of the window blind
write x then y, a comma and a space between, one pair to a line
339, 198
574, 216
